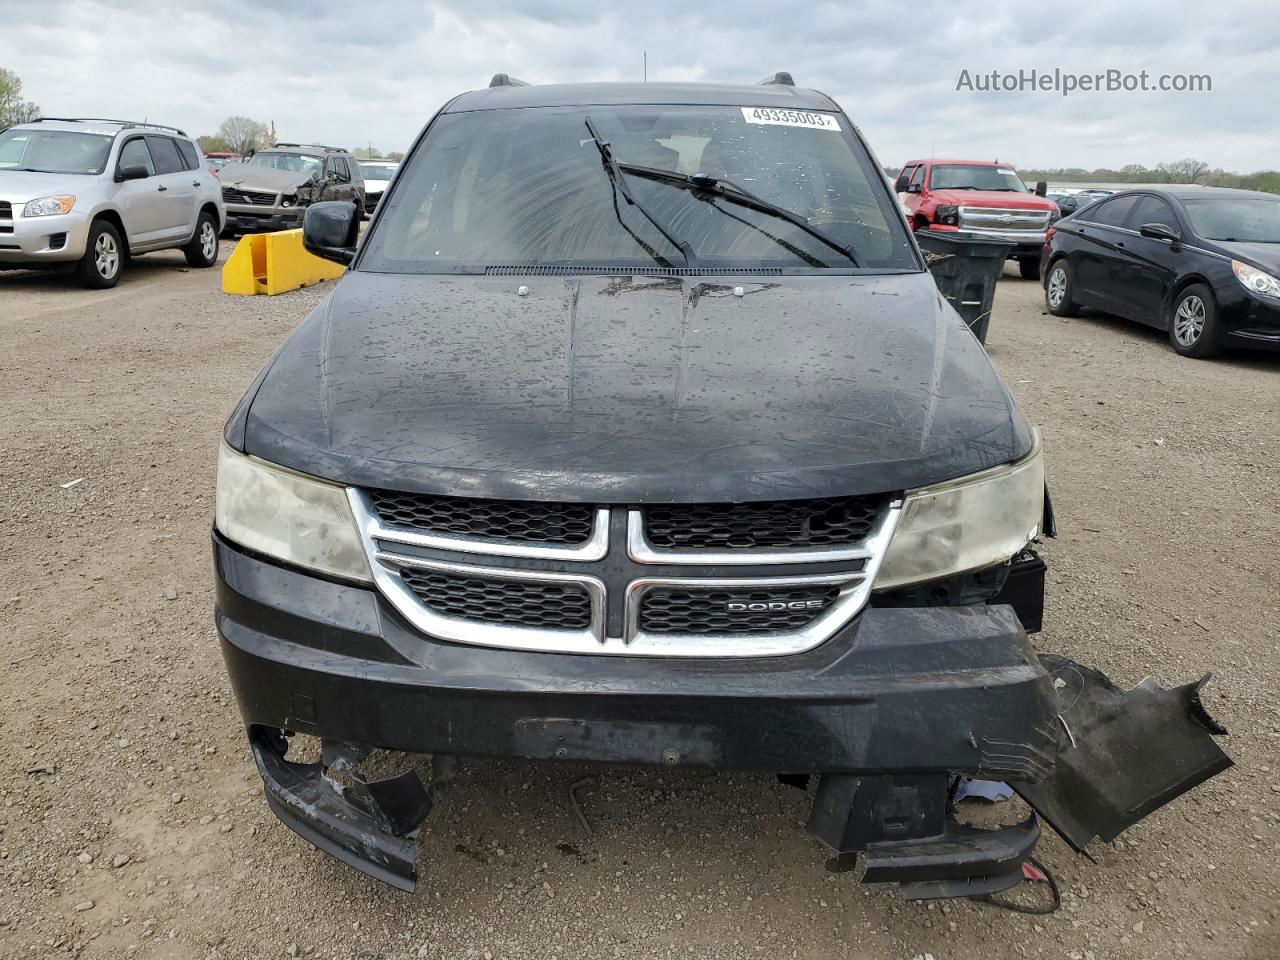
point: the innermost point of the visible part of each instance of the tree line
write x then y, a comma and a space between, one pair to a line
1189, 170
242, 134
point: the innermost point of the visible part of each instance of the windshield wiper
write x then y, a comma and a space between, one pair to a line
735, 193
619, 182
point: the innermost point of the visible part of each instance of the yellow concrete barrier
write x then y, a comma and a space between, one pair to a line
274, 263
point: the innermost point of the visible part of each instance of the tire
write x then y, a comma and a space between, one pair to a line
202, 249
1029, 268
103, 258
1058, 286
1193, 322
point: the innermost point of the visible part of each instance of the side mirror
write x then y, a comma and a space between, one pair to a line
900, 185
330, 230
1041, 188
1159, 231
134, 171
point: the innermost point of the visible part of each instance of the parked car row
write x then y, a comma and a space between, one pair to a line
85, 195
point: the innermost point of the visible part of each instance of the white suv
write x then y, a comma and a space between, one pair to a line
89, 194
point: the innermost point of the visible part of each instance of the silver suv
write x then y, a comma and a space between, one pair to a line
85, 195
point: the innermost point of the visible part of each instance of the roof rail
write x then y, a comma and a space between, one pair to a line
506, 80
781, 79
123, 123
319, 145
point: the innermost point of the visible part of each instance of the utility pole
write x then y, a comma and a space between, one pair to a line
646, 66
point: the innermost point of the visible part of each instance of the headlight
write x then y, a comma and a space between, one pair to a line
1255, 280
947, 213
49, 206
294, 518
967, 524
288, 200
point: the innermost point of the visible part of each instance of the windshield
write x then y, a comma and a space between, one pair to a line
291, 162
528, 187
963, 176
1243, 220
377, 171
54, 151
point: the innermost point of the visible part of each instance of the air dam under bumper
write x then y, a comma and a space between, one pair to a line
887, 713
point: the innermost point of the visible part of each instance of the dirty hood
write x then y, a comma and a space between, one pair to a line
632, 389
245, 176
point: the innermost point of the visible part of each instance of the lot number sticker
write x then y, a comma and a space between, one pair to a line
791, 118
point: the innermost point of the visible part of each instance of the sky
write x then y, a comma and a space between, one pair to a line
363, 72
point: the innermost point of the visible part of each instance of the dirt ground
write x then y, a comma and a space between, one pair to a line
132, 821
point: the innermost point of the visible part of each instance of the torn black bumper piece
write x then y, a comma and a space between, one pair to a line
369, 825
899, 829
1121, 753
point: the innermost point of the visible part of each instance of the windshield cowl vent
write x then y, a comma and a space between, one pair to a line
566, 270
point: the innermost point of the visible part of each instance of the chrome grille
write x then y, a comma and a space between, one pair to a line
255, 198
545, 605
455, 569
1012, 222
742, 611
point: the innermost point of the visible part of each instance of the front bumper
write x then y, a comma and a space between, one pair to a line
243, 218
887, 713
1246, 320
36, 240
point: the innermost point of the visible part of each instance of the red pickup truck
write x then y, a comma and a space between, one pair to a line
976, 198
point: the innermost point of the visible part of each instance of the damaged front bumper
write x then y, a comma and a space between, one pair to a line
887, 714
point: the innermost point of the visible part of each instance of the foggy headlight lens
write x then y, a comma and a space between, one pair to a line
1255, 280
294, 518
967, 524
49, 206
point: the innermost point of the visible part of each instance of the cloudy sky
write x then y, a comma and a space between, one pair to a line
372, 71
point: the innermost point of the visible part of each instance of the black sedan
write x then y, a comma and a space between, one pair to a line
1202, 263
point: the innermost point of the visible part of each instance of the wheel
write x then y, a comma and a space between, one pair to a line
1193, 322
103, 258
1029, 268
202, 249
1057, 290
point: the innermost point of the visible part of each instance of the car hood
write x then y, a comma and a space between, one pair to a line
1265, 255
19, 186
247, 177
999, 199
632, 389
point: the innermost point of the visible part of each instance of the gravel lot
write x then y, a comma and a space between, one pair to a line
132, 821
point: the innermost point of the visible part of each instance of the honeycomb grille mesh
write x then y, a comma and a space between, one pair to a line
557, 606
681, 611
836, 521
567, 524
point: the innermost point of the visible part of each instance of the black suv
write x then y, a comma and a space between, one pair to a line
638, 432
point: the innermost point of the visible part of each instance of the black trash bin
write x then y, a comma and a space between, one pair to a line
966, 270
